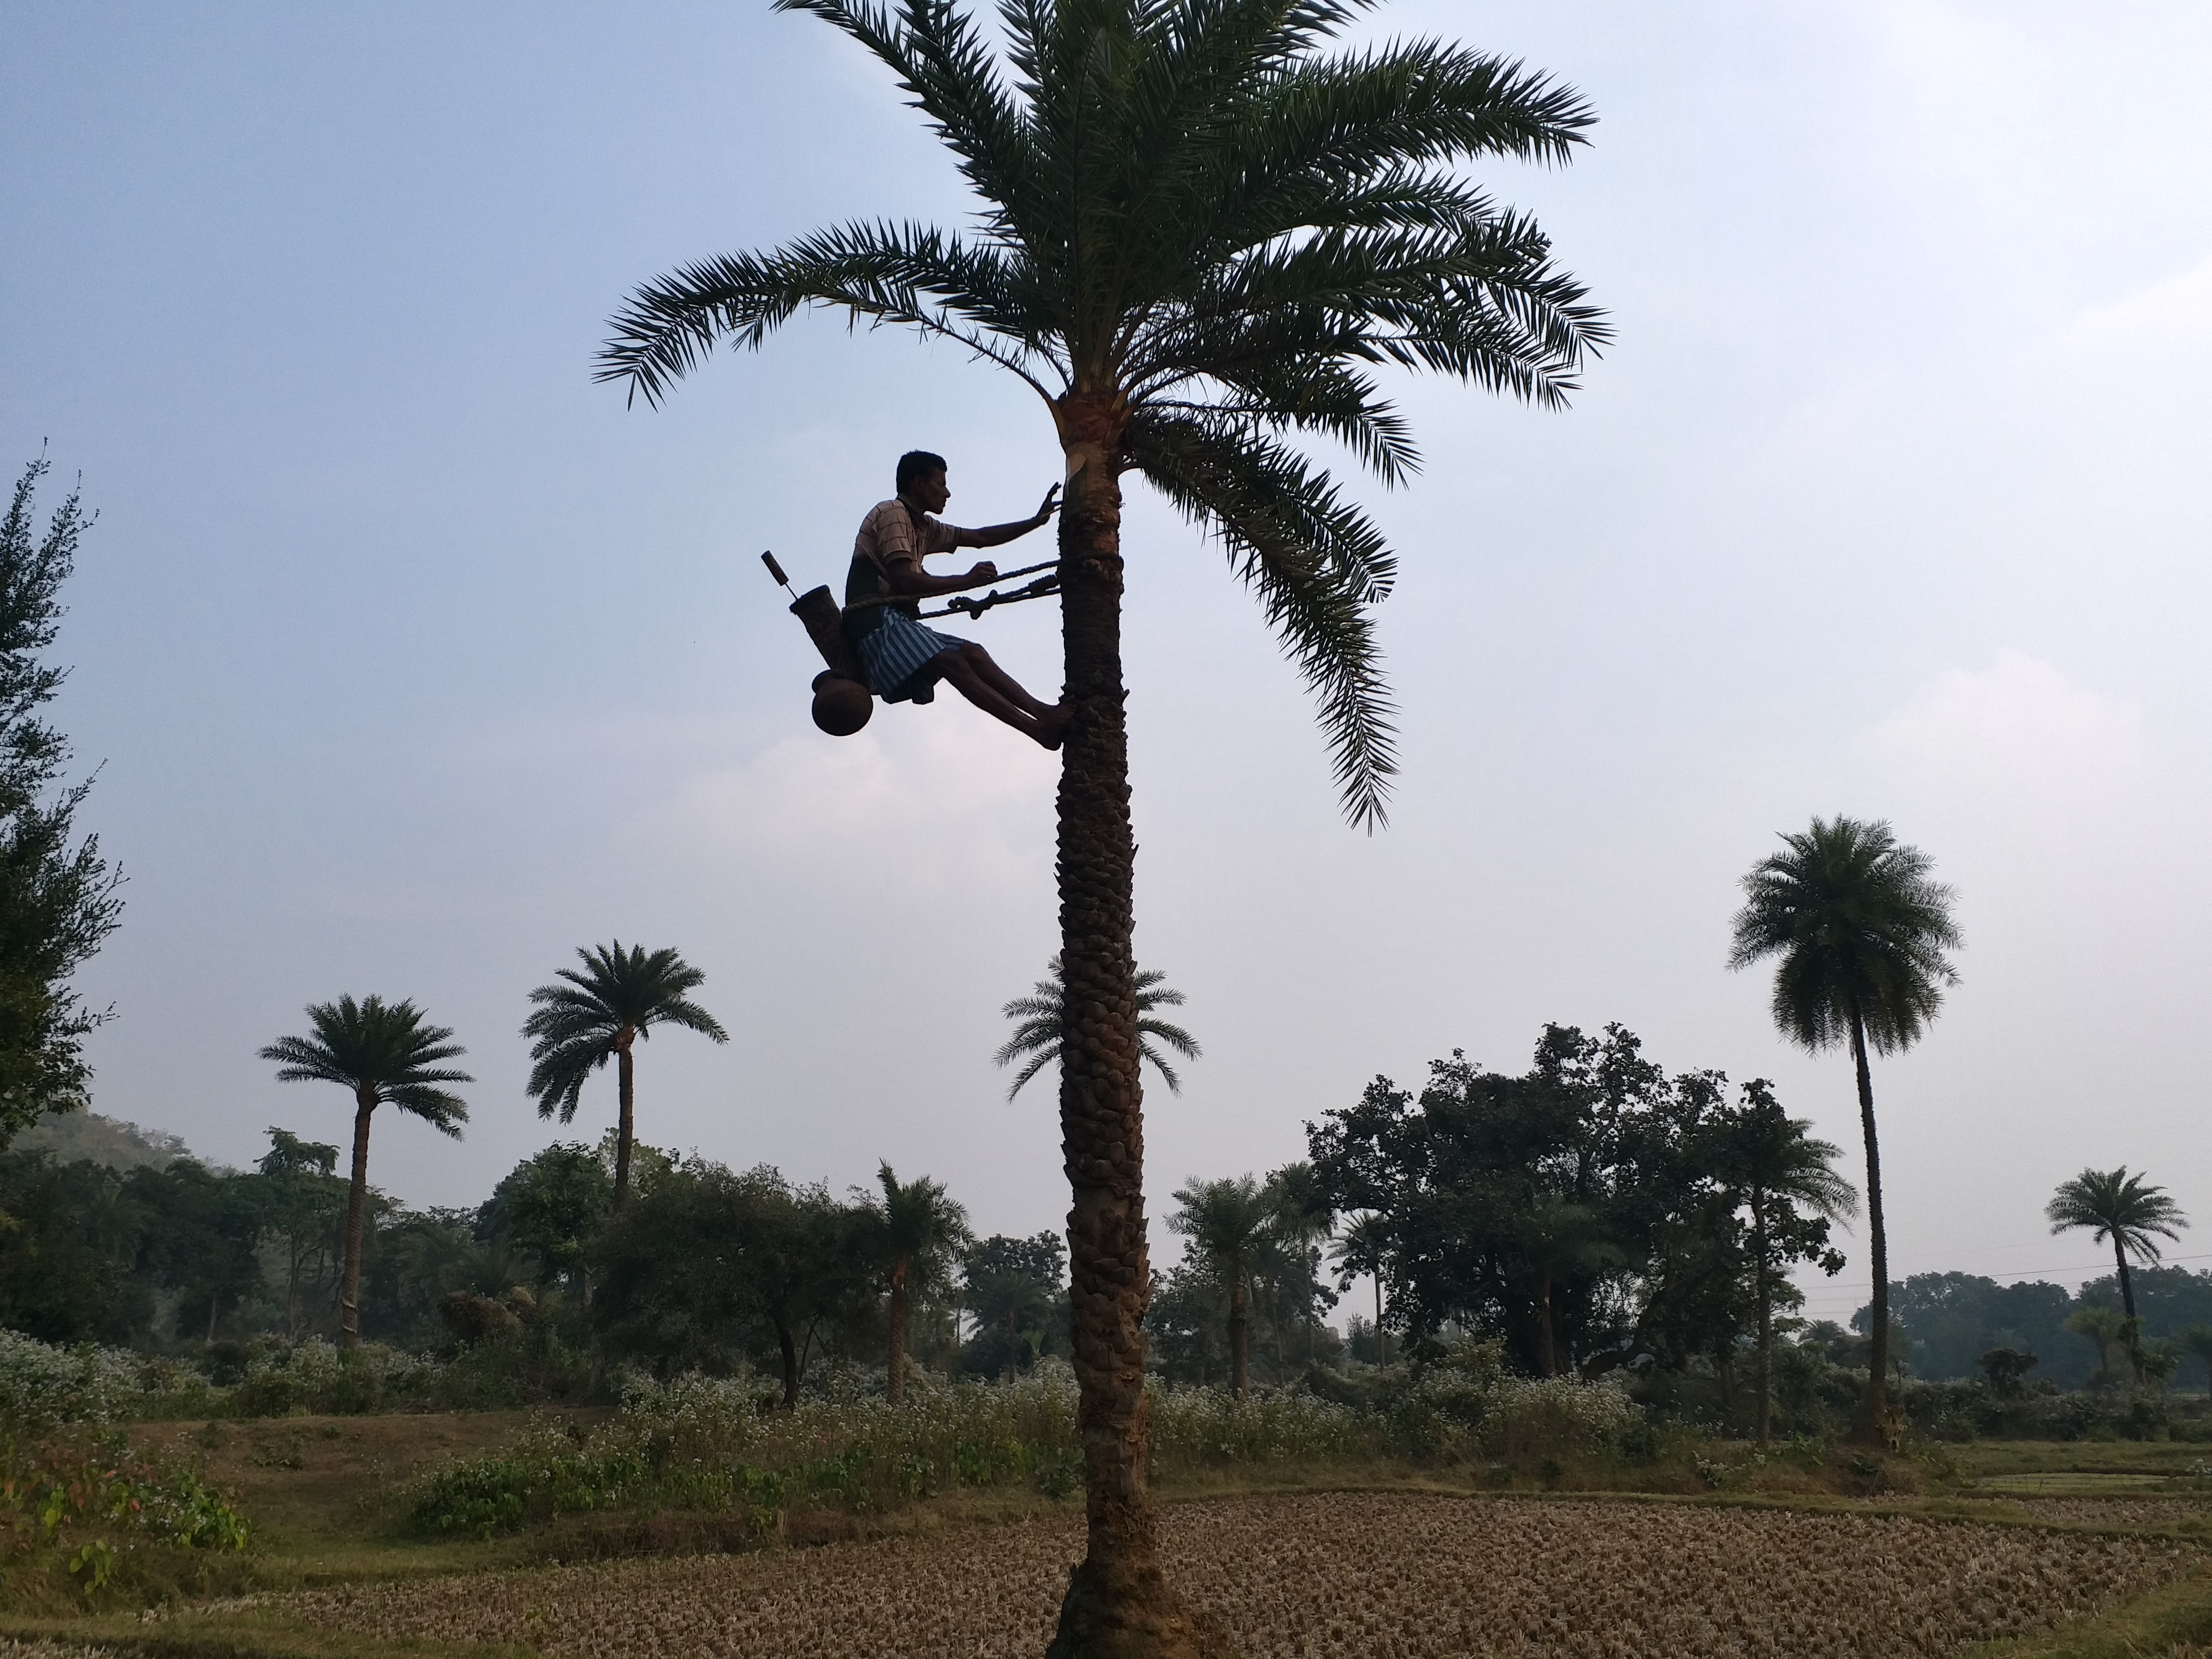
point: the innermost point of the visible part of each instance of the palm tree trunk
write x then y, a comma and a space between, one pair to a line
898, 1333
1877, 1423
1381, 1342
1117, 1602
356, 1208
626, 1073
1766, 1319
2128, 1303
1240, 1336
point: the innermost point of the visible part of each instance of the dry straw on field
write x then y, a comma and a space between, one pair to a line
1380, 1578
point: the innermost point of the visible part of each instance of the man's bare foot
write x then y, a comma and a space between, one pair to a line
1052, 726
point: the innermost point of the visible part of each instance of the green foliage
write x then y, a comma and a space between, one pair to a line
69, 1484
550, 1206
384, 1051
57, 897
1016, 1289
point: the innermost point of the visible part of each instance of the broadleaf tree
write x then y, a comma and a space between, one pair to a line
1203, 228
58, 895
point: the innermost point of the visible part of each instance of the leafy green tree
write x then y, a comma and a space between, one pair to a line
385, 1055
551, 1205
2006, 1370
706, 1260
1040, 1028
1016, 1288
919, 1232
1860, 930
2112, 1204
57, 897
302, 1200
598, 1015
69, 1234
1201, 231
1788, 1181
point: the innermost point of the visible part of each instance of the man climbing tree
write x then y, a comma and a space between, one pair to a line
1200, 236
903, 660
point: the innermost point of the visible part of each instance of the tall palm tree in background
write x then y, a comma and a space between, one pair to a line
1861, 930
1199, 232
1041, 1027
387, 1055
598, 1015
922, 1230
1360, 1249
1227, 1223
1772, 1158
2125, 1208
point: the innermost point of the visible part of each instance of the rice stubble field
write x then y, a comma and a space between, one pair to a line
1381, 1577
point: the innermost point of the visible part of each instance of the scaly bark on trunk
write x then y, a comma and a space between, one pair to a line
1118, 1605
625, 1071
1877, 1423
898, 1333
356, 1208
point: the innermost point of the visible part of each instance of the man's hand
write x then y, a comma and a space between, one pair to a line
1051, 500
984, 572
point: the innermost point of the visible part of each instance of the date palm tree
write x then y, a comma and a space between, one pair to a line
2125, 1208
1861, 930
1227, 1223
598, 1015
921, 1229
1362, 1248
1041, 1031
1774, 1163
1200, 230
387, 1055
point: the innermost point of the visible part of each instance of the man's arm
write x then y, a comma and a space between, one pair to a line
998, 534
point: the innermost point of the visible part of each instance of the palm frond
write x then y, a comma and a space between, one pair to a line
1315, 564
877, 274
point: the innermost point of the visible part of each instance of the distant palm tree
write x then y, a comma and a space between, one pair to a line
597, 1015
2125, 1208
2104, 1326
1860, 930
1227, 1222
1042, 1030
1360, 1249
387, 1055
1772, 1159
920, 1229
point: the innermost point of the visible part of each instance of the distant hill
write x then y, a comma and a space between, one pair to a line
68, 1137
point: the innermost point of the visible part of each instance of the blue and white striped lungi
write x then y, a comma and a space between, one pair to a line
898, 653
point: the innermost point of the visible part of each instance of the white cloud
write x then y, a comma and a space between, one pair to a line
2018, 722
2151, 322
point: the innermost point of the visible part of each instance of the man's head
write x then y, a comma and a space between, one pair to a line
922, 479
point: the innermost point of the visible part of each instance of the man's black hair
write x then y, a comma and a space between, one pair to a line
915, 465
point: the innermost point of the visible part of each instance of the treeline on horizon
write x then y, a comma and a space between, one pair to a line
1587, 1205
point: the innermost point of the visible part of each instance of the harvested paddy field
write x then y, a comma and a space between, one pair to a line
1378, 1577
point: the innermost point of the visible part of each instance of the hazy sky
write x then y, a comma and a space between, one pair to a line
412, 659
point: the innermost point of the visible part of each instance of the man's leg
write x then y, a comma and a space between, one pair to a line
961, 673
1001, 682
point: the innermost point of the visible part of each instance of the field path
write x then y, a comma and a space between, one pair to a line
1376, 1576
